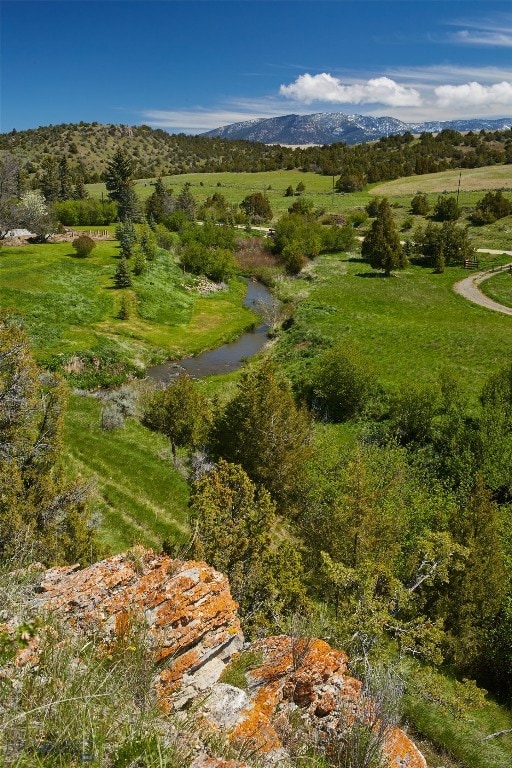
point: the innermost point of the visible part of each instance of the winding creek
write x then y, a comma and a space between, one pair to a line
227, 357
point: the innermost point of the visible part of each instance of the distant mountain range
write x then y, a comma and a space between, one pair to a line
329, 127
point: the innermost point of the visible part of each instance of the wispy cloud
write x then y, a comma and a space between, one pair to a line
328, 89
495, 32
495, 39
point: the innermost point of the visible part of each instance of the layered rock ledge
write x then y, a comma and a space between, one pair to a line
193, 632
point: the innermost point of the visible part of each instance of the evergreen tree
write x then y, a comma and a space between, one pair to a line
181, 412
122, 277
161, 203
233, 522
127, 236
381, 246
120, 185
50, 179
65, 180
263, 430
39, 509
186, 202
79, 191
477, 594
257, 208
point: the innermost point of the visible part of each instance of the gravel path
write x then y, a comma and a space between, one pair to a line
468, 288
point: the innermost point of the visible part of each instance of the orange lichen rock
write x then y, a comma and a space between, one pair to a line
310, 679
186, 607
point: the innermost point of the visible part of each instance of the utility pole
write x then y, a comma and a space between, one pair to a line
458, 188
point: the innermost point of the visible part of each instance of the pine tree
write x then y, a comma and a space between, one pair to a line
50, 179
127, 236
121, 187
66, 184
185, 202
122, 277
79, 191
181, 412
381, 246
263, 430
233, 521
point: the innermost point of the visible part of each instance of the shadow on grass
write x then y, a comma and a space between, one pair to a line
372, 274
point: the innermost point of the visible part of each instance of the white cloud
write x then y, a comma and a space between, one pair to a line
328, 89
494, 38
474, 95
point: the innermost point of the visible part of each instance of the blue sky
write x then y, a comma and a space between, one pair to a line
193, 65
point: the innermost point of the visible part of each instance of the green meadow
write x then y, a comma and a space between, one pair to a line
138, 495
411, 325
71, 305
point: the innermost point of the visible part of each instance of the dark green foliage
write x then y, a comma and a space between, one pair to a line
79, 190
343, 383
446, 208
303, 206
372, 208
65, 180
300, 188
127, 236
351, 182
419, 204
233, 522
262, 429
381, 246
289, 191
447, 243
122, 277
477, 592
39, 511
493, 206
161, 203
185, 202
83, 245
120, 185
181, 412
50, 179
257, 208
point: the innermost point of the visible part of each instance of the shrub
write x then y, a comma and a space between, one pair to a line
343, 383
83, 245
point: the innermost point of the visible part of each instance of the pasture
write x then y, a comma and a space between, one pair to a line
71, 305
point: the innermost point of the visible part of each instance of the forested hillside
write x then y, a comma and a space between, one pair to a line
87, 148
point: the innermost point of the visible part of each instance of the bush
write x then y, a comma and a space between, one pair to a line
446, 209
78, 213
83, 245
343, 383
419, 204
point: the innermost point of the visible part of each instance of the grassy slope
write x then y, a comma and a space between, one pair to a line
235, 186
140, 496
489, 177
411, 325
70, 304
499, 288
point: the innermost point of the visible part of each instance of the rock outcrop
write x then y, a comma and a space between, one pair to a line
192, 625
296, 686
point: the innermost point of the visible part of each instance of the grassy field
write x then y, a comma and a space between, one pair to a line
139, 495
235, 186
499, 288
411, 325
71, 305
471, 179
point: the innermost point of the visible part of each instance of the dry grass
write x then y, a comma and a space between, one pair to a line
472, 179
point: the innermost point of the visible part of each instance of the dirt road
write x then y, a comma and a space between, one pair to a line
468, 288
